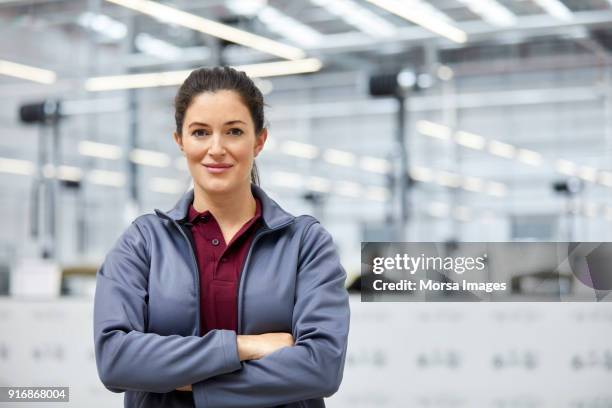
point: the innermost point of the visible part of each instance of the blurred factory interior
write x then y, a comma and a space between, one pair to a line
389, 120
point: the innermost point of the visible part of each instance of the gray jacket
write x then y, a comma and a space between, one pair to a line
147, 313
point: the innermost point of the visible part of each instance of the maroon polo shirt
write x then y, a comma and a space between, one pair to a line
219, 265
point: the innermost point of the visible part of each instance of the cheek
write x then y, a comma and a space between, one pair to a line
193, 152
246, 155
247, 151
191, 156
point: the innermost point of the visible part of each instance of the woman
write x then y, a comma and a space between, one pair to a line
226, 300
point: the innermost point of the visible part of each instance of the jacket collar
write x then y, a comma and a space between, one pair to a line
272, 214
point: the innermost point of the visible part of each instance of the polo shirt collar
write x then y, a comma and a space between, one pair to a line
193, 214
272, 214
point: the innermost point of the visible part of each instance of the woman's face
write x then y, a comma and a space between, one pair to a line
218, 139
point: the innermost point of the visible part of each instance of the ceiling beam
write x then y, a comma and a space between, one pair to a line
531, 26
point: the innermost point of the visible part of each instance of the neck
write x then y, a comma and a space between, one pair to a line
227, 208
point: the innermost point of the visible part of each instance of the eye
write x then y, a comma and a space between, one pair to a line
199, 132
236, 131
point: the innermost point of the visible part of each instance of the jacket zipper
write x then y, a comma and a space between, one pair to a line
242, 274
245, 269
197, 274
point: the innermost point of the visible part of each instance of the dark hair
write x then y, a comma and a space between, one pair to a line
217, 79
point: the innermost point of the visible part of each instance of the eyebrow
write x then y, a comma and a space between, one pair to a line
231, 122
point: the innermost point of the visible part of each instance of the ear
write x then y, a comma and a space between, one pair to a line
178, 140
260, 141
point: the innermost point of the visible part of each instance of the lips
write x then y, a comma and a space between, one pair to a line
217, 168
218, 165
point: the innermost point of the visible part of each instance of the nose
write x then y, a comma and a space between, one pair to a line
217, 147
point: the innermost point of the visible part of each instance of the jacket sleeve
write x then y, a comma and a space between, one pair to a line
313, 367
127, 357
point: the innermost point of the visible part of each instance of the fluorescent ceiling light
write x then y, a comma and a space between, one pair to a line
169, 78
325, 185
348, 189
276, 21
471, 140
375, 165
172, 15
423, 174
566, 167
298, 149
431, 129
150, 158
103, 24
529, 157
588, 173
448, 179
156, 47
378, 193
287, 179
445, 73
13, 69
502, 149
453, 180
14, 166
116, 82
472, 184
180, 163
166, 185
556, 9
68, 173
245, 7
95, 105
289, 27
359, 17
101, 150
279, 68
492, 12
106, 178
265, 86
497, 189
424, 15
319, 184
339, 157
478, 142
605, 177
116, 30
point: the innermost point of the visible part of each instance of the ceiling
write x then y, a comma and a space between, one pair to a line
340, 43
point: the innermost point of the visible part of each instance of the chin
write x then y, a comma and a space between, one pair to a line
218, 186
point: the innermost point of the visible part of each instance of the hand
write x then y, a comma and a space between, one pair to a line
254, 347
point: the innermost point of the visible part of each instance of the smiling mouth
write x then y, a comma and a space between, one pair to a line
217, 168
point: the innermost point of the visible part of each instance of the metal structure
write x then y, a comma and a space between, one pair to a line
512, 63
